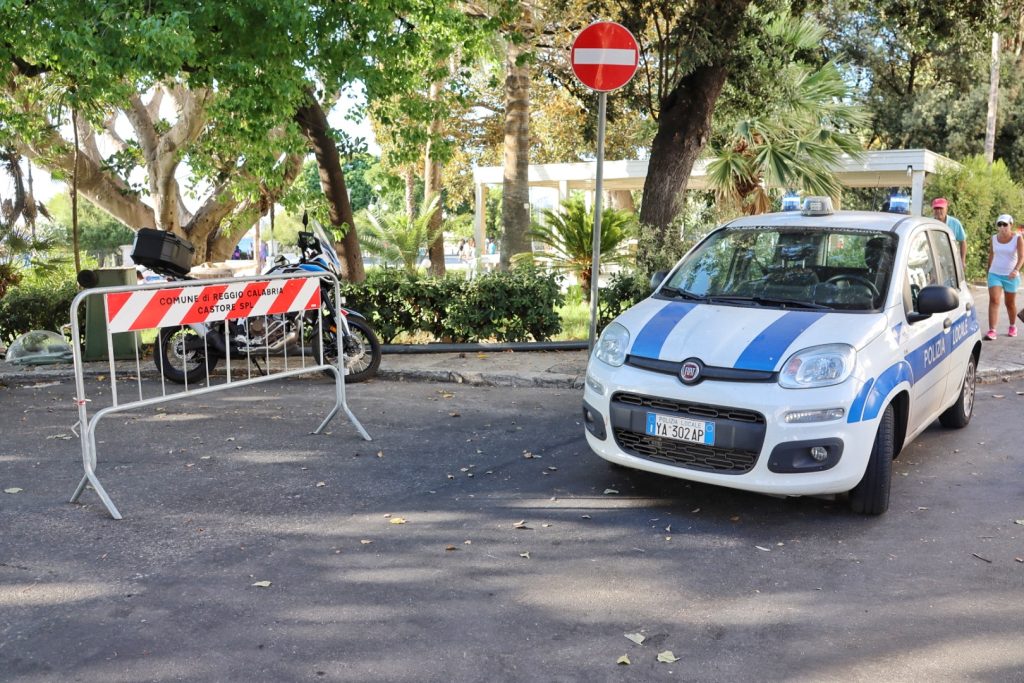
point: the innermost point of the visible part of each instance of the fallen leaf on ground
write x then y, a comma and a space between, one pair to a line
13, 489
521, 524
637, 638
983, 559
1019, 521
667, 657
584, 516
526, 554
624, 659
609, 491
380, 454
64, 437
450, 547
366, 541
262, 584
454, 415
321, 484
397, 520
761, 547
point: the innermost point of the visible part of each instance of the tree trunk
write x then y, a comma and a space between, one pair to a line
432, 187
993, 102
410, 191
74, 197
683, 130
515, 203
313, 120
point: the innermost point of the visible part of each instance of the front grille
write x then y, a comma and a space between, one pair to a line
684, 409
683, 454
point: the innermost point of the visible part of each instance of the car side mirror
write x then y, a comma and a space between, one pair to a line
657, 279
934, 299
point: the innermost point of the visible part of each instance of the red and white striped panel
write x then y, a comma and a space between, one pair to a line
147, 309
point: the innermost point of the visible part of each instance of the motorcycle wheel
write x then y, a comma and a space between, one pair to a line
362, 350
179, 353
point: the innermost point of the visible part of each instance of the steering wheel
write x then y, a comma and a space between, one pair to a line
858, 279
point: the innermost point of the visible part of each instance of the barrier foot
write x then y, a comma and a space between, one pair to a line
351, 417
78, 492
90, 478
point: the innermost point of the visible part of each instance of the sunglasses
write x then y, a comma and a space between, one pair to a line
1002, 225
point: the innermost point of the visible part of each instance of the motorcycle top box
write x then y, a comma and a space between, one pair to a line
162, 251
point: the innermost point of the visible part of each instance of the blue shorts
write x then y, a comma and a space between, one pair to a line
1009, 284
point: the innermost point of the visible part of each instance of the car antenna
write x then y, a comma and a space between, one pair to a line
305, 219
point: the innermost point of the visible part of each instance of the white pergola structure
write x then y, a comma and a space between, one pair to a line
886, 168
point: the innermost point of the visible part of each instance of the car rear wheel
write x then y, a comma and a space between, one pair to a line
871, 495
959, 414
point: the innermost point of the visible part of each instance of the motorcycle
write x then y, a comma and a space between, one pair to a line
185, 354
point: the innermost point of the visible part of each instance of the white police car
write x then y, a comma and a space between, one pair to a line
792, 354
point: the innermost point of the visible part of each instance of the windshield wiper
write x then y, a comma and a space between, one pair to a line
768, 301
681, 294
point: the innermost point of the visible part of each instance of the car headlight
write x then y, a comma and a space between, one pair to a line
818, 366
611, 347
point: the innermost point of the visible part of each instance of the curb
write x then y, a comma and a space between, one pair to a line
485, 379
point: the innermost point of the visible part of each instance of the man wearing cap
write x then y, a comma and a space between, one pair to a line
940, 209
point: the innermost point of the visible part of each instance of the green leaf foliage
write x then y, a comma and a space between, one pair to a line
515, 306
41, 301
569, 235
977, 194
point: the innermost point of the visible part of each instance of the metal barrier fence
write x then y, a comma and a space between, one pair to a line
286, 304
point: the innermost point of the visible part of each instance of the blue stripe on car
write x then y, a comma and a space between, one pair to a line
857, 407
652, 336
766, 349
887, 381
916, 365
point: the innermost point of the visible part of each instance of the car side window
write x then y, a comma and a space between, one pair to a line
944, 254
921, 270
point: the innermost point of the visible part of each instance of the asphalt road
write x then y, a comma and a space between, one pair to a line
232, 491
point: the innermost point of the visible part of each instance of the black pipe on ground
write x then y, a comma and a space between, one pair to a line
509, 346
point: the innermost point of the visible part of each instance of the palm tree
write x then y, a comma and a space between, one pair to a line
796, 139
397, 237
570, 235
17, 220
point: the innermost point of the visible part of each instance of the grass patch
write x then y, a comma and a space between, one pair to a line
575, 317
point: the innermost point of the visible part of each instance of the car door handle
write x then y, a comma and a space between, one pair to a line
947, 323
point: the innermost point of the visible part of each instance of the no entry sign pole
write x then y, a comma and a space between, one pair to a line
595, 259
605, 56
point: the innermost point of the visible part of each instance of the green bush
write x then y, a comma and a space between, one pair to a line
41, 301
514, 306
977, 193
624, 289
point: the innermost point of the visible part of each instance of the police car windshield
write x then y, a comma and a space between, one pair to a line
839, 269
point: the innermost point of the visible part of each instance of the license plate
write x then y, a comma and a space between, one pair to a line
681, 429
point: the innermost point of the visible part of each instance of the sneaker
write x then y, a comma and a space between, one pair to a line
991, 334
1012, 332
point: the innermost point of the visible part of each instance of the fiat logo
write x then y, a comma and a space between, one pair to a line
690, 372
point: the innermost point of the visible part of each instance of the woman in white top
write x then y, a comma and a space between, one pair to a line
1005, 259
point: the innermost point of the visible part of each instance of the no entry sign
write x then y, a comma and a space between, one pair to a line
605, 56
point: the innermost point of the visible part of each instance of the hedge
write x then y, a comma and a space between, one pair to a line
41, 301
515, 306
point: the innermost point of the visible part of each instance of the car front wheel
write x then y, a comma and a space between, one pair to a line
871, 495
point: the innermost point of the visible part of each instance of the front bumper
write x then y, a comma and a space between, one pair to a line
754, 448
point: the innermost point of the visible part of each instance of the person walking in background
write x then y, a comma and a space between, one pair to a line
469, 258
940, 209
1005, 259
